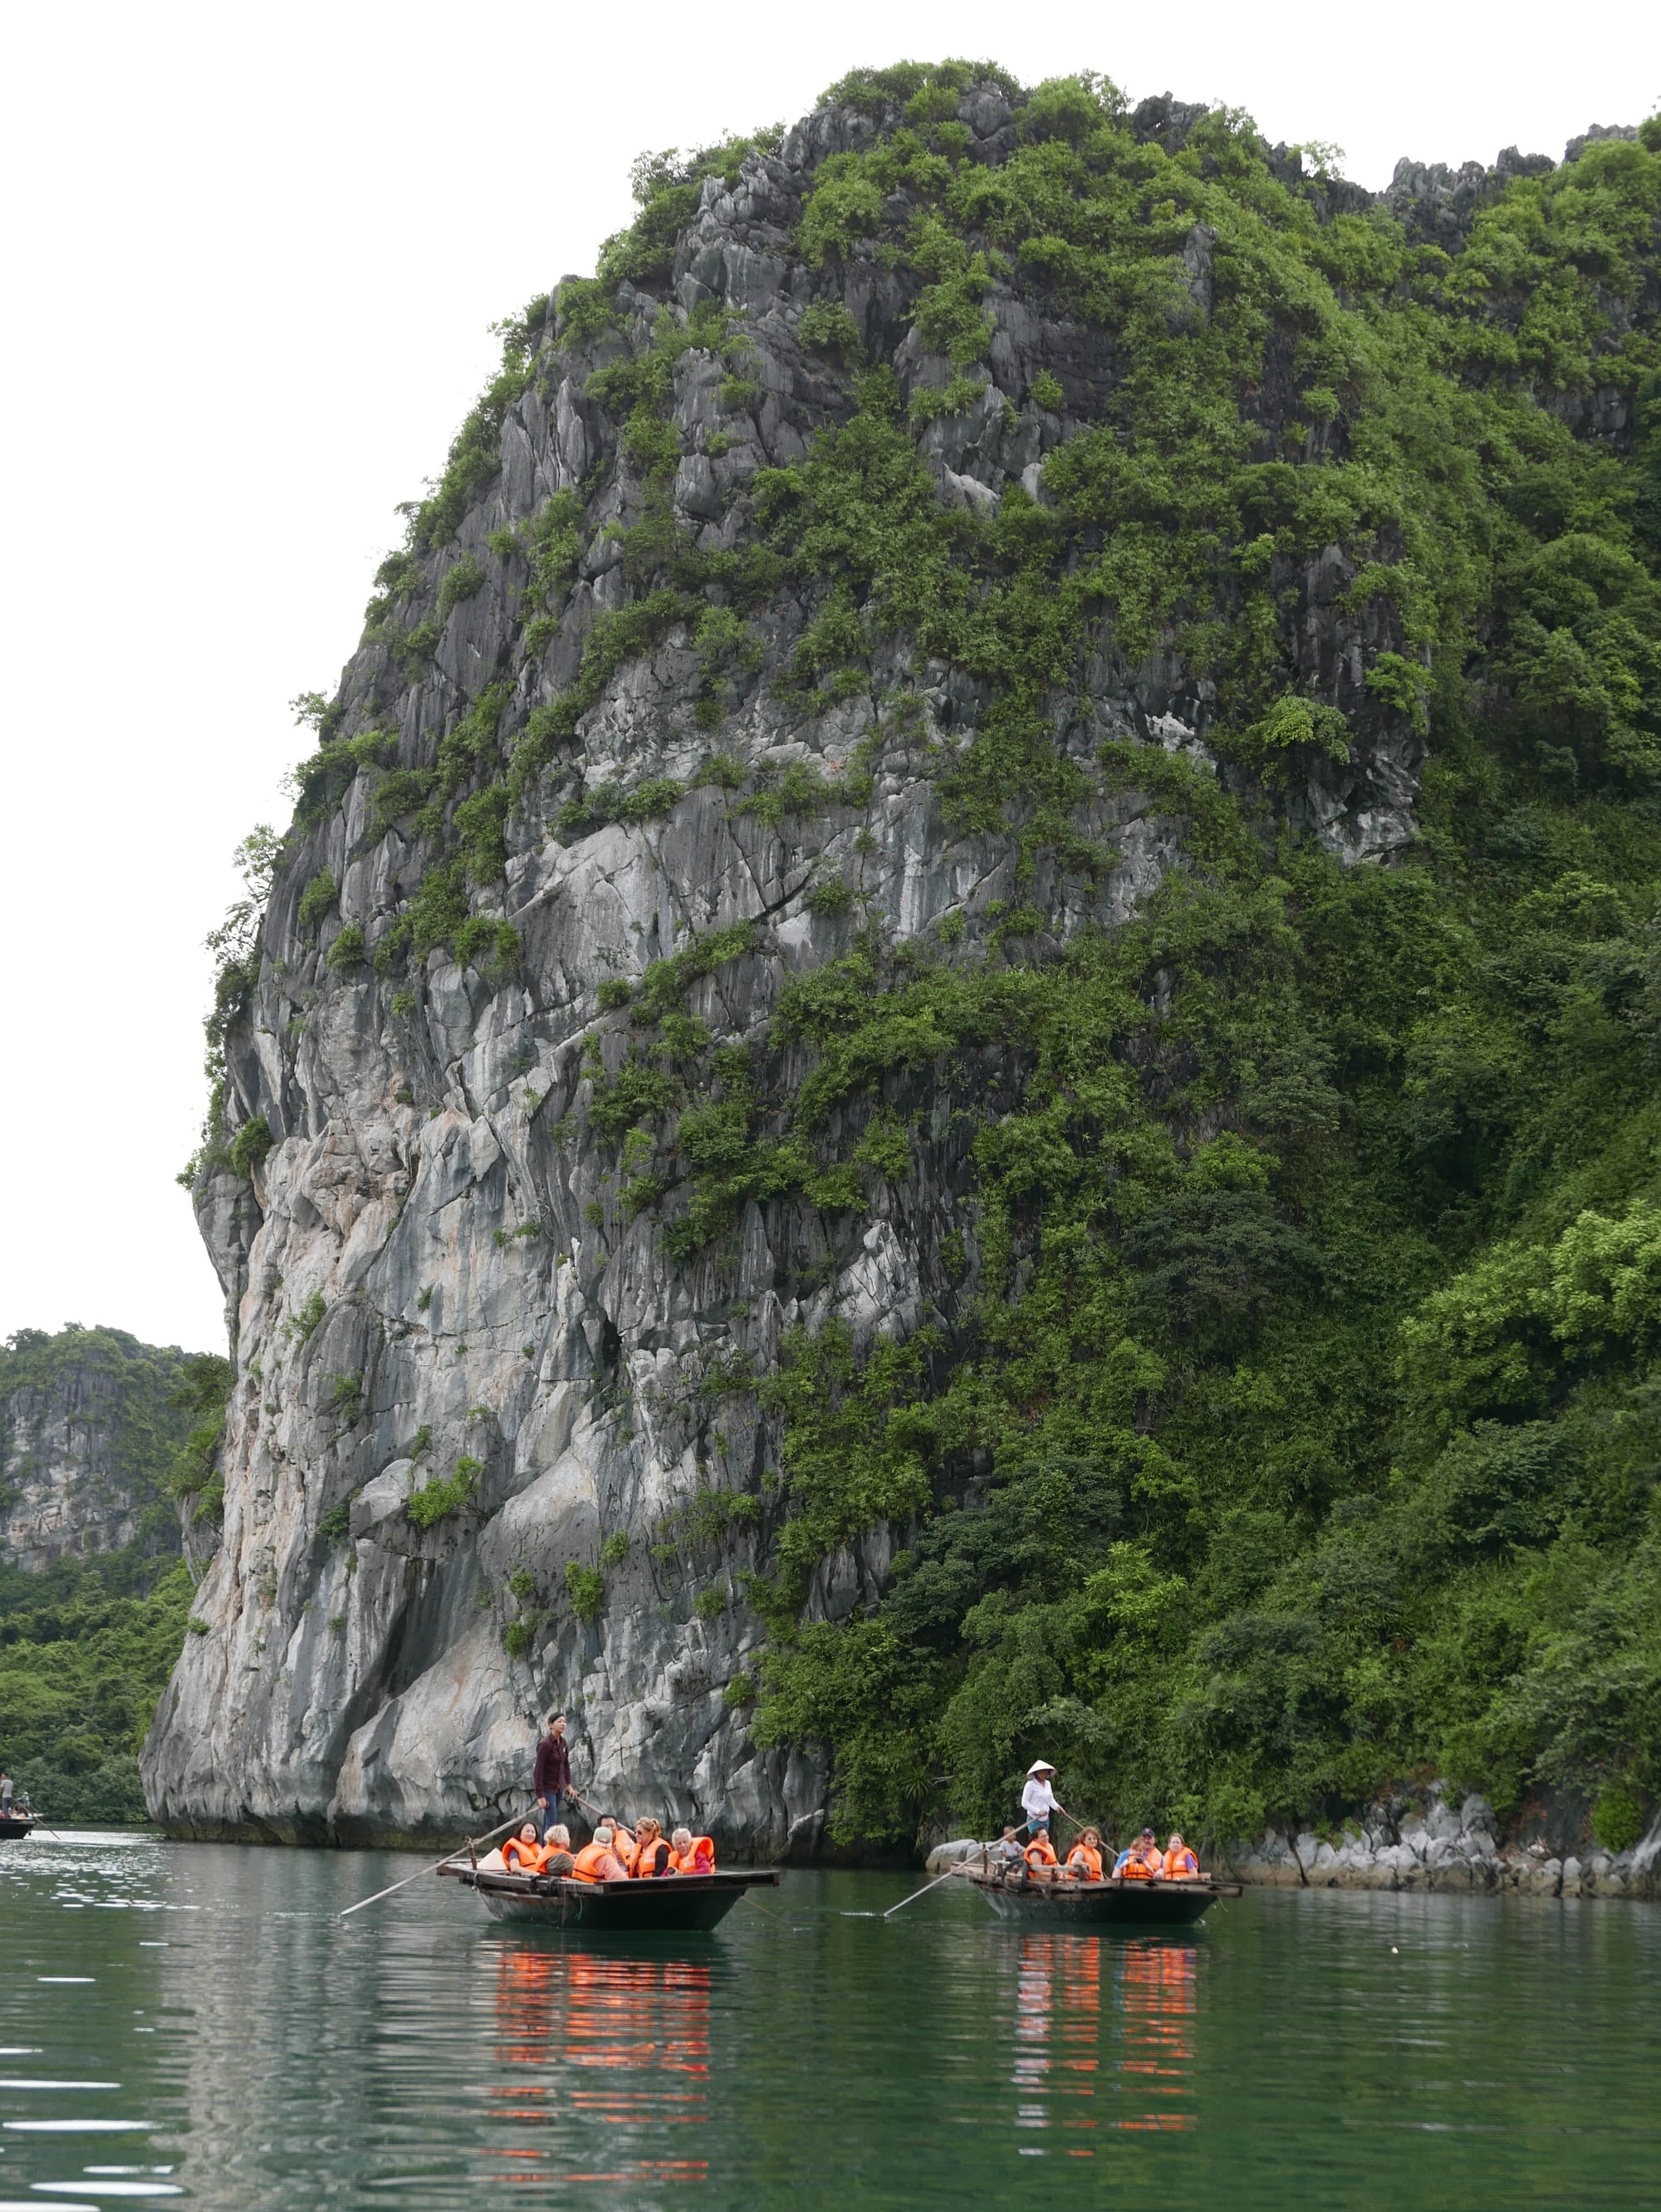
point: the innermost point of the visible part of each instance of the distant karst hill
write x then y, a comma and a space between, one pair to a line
101, 1435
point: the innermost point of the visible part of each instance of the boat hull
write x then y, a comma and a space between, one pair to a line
1084, 1906
12, 1830
677, 1904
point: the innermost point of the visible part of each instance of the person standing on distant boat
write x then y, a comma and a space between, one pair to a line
551, 1781
5, 1795
1039, 1801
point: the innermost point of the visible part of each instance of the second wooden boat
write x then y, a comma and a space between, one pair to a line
677, 1904
1092, 1904
16, 1825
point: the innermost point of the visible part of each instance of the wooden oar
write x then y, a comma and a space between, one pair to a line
936, 1883
516, 1820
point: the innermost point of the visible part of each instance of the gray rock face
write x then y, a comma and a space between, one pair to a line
433, 1276
1440, 1845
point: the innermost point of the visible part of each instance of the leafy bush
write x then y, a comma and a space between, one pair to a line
250, 1144
348, 949
586, 1587
828, 328
1617, 1821
318, 896
460, 582
336, 1525
442, 1495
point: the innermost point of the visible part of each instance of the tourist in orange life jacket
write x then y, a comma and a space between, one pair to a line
1141, 1861
599, 1861
692, 1854
522, 1854
1180, 1864
622, 1835
1042, 1864
652, 1856
556, 1850
1084, 1860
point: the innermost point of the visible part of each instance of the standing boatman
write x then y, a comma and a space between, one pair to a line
1039, 1801
551, 1780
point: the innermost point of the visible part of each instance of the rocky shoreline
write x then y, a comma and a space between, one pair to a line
1441, 1846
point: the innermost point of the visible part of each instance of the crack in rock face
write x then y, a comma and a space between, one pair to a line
482, 1448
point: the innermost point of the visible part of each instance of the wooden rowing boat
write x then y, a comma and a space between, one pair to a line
678, 1904
1090, 1904
16, 1825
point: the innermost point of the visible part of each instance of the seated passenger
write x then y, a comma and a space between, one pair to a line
651, 1855
622, 1839
522, 1854
556, 1850
1042, 1864
1180, 1864
1140, 1861
1084, 1860
1007, 1857
692, 1854
599, 1861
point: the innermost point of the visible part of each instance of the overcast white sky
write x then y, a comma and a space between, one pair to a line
251, 255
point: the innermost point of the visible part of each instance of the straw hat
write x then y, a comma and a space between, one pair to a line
1040, 1766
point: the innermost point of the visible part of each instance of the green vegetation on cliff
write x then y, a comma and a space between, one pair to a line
1312, 1356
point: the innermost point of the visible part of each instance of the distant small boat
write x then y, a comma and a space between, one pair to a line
16, 1825
676, 1904
1106, 1904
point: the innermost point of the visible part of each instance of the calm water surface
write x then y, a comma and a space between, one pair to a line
190, 2024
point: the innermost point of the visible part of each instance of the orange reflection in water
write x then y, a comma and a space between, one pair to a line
586, 2040
1058, 2036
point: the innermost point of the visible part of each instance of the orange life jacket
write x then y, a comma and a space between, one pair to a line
1137, 1868
1087, 1860
597, 1862
645, 1862
622, 1841
699, 1858
1181, 1866
520, 1857
1040, 1853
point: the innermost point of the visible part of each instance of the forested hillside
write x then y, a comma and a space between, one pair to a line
1321, 1207
97, 1433
964, 1010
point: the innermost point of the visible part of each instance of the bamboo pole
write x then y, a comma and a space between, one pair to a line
936, 1883
514, 1820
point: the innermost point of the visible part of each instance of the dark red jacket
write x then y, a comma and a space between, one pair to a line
553, 1777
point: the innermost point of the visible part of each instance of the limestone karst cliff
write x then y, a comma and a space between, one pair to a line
87, 1437
887, 1004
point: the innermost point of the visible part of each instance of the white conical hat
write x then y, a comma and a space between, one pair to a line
1040, 1766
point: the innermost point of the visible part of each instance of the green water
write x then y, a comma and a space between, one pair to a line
190, 2024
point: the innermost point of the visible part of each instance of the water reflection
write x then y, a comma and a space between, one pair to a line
1059, 2066
1157, 2018
591, 2039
